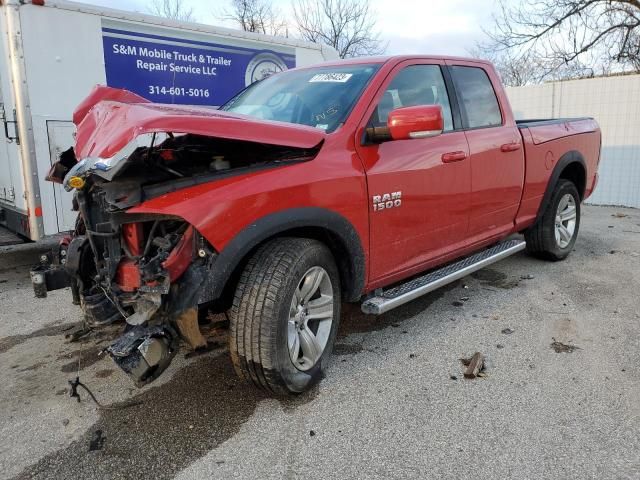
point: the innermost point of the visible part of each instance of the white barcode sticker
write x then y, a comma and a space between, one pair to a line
331, 77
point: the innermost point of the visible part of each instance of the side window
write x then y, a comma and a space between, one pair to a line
477, 97
414, 85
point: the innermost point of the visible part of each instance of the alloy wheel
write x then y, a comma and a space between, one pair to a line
310, 318
565, 224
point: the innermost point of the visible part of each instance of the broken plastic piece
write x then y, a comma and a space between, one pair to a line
144, 353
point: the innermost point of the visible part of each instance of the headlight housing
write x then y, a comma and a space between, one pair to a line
108, 168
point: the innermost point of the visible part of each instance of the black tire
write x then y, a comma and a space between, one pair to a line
260, 315
541, 237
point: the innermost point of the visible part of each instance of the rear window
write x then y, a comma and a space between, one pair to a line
477, 97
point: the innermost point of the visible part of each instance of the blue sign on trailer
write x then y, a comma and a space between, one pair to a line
187, 71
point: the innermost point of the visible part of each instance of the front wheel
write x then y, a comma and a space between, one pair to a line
285, 315
555, 233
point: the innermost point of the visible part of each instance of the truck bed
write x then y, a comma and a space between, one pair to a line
546, 143
545, 130
533, 122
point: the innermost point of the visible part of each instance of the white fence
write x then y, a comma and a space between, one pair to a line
615, 103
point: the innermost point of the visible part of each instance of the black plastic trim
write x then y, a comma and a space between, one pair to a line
284, 221
453, 98
565, 160
537, 122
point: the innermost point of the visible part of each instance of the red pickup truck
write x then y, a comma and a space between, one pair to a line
372, 179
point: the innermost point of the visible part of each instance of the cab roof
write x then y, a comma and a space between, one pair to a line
393, 59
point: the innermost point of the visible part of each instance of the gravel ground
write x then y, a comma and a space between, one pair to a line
394, 403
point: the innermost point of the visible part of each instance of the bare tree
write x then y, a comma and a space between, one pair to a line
569, 38
524, 68
256, 16
173, 9
514, 70
346, 25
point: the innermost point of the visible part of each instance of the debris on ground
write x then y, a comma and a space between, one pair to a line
457, 303
499, 346
312, 433
74, 384
527, 277
464, 299
560, 347
507, 331
475, 365
98, 441
619, 215
78, 334
453, 377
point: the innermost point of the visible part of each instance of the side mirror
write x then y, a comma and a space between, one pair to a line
420, 121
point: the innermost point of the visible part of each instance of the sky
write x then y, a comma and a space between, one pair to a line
448, 27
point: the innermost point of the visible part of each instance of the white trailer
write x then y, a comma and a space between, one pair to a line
54, 52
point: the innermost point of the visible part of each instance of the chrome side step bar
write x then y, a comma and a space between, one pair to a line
401, 294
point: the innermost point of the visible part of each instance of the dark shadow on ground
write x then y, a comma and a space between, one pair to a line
176, 423
7, 343
354, 321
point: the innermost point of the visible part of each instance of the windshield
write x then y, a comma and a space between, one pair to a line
319, 97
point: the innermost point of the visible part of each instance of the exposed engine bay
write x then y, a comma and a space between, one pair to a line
147, 271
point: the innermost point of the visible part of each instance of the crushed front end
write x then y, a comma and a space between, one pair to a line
146, 271
150, 271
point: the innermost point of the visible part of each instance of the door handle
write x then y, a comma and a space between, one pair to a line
453, 157
510, 147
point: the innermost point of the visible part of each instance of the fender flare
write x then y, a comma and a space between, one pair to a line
572, 156
274, 224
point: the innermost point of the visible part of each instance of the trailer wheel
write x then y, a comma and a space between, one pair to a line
285, 315
555, 233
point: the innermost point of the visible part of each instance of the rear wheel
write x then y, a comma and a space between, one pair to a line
285, 315
555, 233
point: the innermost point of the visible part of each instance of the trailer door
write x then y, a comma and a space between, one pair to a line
7, 191
60, 139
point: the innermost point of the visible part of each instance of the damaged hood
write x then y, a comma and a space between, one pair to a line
109, 119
